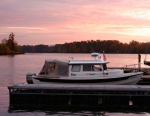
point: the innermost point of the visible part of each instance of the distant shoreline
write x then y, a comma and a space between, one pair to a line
3, 54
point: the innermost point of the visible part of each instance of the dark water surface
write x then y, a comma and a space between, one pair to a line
13, 70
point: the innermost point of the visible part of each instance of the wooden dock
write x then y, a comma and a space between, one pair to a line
145, 80
79, 96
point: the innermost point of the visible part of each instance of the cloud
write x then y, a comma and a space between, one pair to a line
72, 20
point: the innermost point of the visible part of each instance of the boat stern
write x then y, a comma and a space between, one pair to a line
29, 77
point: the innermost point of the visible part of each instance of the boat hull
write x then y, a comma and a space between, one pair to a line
126, 79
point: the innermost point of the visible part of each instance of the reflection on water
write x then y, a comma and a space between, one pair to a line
77, 113
14, 68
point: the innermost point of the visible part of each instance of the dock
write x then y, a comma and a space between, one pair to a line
79, 96
145, 70
145, 80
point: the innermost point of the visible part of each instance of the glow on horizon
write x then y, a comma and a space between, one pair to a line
60, 21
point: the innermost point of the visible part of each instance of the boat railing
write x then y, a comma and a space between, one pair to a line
131, 68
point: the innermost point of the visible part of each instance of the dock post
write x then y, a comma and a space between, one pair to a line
139, 62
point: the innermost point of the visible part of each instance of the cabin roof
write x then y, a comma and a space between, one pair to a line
57, 60
88, 62
77, 61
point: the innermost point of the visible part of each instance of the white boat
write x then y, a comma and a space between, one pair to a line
82, 72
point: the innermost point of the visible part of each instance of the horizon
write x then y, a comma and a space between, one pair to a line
81, 41
63, 21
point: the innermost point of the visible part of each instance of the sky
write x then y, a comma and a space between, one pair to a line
52, 22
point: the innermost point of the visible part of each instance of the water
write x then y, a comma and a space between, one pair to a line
13, 70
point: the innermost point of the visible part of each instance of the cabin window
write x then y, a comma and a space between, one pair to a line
50, 67
97, 68
88, 67
62, 69
42, 71
75, 68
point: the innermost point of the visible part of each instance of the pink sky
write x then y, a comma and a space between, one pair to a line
59, 21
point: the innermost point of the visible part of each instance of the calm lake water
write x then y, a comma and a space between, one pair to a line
13, 70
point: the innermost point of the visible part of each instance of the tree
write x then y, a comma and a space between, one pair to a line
12, 44
4, 49
8, 46
134, 46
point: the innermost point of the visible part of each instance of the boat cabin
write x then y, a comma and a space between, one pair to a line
82, 68
73, 68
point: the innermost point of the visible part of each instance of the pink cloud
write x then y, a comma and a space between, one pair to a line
52, 22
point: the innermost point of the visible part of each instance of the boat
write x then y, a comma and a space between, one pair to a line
147, 63
93, 71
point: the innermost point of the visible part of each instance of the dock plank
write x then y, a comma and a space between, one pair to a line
87, 87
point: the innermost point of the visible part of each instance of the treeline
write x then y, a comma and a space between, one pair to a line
108, 46
9, 46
